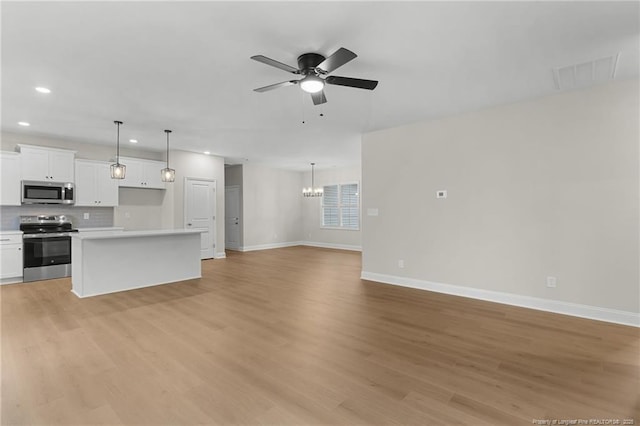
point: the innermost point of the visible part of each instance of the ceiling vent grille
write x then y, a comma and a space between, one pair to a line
586, 73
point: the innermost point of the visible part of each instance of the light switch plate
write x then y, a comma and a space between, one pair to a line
442, 193
372, 212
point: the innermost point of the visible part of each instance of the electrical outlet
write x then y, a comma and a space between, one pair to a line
401, 263
86, 216
551, 282
127, 215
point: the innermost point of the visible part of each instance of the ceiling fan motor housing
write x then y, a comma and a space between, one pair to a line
308, 62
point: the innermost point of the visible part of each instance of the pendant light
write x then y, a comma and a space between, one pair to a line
312, 191
118, 170
168, 175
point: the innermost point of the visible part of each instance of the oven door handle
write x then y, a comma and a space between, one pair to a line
43, 235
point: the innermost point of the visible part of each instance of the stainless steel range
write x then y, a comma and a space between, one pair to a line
47, 247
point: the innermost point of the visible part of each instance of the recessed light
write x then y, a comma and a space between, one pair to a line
23, 123
43, 90
207, 152
133, 140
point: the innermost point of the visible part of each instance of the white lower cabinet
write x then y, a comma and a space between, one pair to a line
94, 186
142, 173
11, 256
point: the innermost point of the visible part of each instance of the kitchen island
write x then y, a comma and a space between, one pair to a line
112, 261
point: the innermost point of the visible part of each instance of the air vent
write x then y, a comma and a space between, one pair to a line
586, 73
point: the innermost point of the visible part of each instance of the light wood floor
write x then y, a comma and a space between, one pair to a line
293, 336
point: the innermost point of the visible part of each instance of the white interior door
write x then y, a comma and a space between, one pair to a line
232, 217
200, 212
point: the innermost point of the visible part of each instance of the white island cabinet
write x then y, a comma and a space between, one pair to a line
108, 262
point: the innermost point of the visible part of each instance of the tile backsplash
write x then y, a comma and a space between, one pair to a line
98, 216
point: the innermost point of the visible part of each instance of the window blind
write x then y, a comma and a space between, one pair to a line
341, 206
349, 204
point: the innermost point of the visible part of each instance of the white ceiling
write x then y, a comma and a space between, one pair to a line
185, 66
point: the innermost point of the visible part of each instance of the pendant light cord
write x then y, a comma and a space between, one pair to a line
118, 123
313, 185
167, 132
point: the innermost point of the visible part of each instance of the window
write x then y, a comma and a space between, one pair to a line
341, 206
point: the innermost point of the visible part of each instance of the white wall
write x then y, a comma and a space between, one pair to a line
275, 214
272, 207
140, 209
199, 166
543, 188
87, 151
313, 233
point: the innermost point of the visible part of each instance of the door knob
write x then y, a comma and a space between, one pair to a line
188, 224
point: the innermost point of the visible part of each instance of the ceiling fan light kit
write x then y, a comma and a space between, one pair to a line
314, 67
312, 84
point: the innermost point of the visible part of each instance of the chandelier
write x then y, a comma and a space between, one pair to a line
312, 191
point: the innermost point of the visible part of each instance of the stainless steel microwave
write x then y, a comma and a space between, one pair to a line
35, 192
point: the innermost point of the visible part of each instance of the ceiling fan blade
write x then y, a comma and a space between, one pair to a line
352, 82
338, 59
275, 86
275, 63
318, 98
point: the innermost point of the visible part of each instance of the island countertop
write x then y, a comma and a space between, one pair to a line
130, 234
101, 229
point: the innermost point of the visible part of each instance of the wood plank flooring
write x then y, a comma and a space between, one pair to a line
293, 336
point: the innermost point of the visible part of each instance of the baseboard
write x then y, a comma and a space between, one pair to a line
331, 245
269, 246
15, 280
555, 306
220, 255
300, 243
135, 288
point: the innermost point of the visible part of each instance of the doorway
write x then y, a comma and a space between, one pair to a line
200, 212
232, 217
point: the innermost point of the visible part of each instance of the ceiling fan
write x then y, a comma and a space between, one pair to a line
314, 67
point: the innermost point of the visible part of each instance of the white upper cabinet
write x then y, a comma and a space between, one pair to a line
142, 173
10, 179
94, 186
107, 188
46, 164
